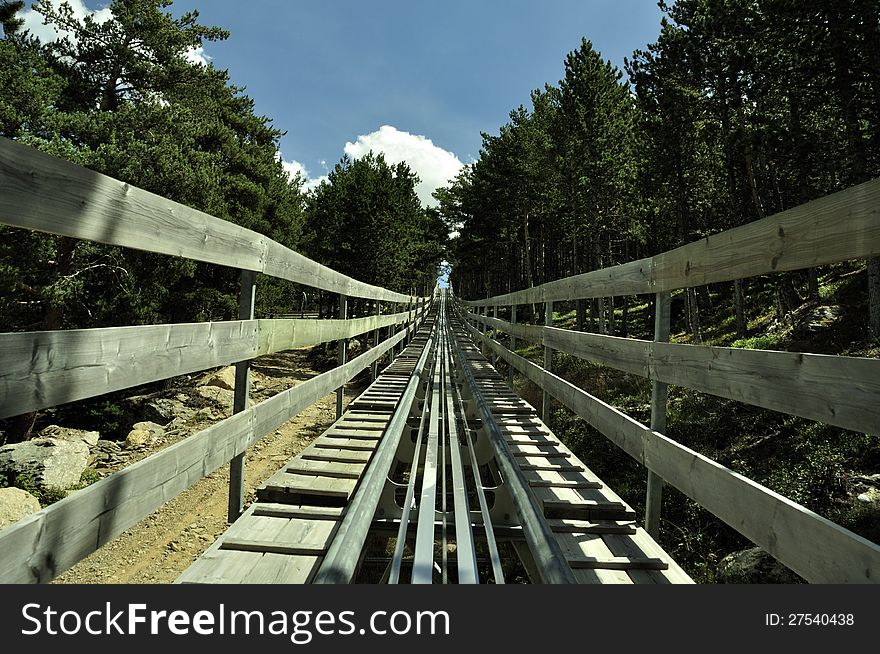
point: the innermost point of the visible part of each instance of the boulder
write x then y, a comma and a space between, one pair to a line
49, 462
222, 396
105, 454
90, 438
144, 433
163, 410
137, 438
754, 566
223, 378
15, 504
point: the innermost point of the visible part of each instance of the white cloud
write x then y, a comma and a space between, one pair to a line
294, 168
435, 166
197, 56
33, 21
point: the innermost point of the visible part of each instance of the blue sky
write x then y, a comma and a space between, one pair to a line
333, 72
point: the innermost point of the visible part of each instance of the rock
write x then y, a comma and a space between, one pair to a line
870, 496
224, 378
754, 566
163, 410
144, 433
222, 396
90, 438
110, 447
870, 480
15, 504
49, 462
137, 438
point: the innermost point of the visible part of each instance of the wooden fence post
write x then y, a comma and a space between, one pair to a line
512, 344
495, 335
411, 324
654, 498
247, 293
548, 362
374, 371
342, 344
483, 328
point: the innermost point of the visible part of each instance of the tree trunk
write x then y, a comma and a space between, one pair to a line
611, 321
874, 295
530, 280
738, 306
787, 298
624, 330
813, 284
20, 426
693, 311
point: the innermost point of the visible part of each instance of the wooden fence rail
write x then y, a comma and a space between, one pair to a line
836, 390
44, 544
838, 227
43, 369
47, 194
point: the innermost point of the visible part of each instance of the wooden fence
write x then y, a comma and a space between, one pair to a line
44, 369
837, 390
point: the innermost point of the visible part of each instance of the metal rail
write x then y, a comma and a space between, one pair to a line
340, 562
549, 559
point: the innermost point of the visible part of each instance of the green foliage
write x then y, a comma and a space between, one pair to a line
366, 222
122, 98
762, 342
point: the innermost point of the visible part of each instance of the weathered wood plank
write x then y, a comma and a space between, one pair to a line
48, 368
617, 563
531, 333
307, 511
47, 194
641, 542
293, 483
625, 279
43, 369
275, 547
278, 335
555, 479
836, 390
346, 443
50, 541
586, 547
838, 227
814, 547
326, 468
331, 453
221, 567
283, 569
573, 526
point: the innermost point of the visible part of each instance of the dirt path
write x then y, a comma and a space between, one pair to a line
160, 547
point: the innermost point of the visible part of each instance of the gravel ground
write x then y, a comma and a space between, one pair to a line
160, 547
